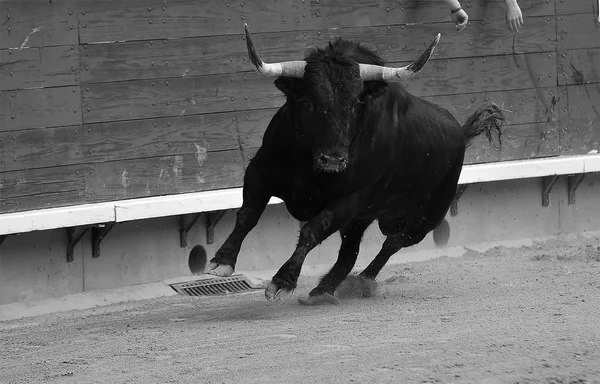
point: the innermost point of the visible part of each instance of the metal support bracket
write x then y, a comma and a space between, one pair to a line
72, 241
548, 183
2, 238
98, 233
459, 192
212, 219
573, 182
184, 229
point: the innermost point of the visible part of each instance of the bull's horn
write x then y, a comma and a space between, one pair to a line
285, 68
391, 75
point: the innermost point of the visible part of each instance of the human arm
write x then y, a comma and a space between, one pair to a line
459, 16
514, 17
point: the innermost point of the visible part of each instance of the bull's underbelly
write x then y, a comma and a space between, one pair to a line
303, 206
305, 199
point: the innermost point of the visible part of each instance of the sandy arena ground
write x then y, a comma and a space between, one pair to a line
522, 315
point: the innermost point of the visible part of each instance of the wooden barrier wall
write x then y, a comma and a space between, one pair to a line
108, 100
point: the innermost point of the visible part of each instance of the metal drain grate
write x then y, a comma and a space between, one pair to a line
214, 286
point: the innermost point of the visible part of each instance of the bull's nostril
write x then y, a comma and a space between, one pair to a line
323, 159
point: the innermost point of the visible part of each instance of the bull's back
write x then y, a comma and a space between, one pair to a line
423, 143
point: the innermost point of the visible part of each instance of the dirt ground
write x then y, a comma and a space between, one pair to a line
508, 315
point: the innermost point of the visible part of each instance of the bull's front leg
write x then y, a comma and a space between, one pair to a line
256, 195
315, 231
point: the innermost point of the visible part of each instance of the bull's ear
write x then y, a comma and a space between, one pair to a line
287, 85
373, 89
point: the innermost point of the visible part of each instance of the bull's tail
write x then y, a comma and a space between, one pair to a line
487, 119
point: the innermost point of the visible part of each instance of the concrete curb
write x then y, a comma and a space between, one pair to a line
85, 300
100, 298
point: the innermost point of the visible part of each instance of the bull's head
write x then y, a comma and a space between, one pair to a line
326, 92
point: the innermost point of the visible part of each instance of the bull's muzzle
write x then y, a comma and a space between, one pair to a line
367, 71
331, 161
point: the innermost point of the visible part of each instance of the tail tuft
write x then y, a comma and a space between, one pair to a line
487, 119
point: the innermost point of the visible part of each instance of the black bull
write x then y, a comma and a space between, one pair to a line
350, 146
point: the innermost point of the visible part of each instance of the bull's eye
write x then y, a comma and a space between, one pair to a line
306, 104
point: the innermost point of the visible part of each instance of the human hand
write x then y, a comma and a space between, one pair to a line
460, 18
514, 17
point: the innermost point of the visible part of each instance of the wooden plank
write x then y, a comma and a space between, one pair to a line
39, 67
87, 183
520, 107
566, 7
580, 66
580, 118
38, 108
252, 126
220, 93
123, 140
224, 54
184, 57
491, 38
495, 73
156, 19
519, 142
153, 19
578, 31
178, 97
34, 23
525, 141
360, 13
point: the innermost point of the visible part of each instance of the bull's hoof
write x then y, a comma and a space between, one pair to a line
322, 299
356, 286
216, 269
276, 294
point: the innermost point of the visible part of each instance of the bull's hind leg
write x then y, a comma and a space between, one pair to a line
351, 238
433, 215
256, 196
363, 285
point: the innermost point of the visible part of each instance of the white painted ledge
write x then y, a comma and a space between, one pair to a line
523, 169
52, 218
161, 206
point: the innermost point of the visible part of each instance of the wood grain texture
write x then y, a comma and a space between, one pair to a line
85, 183
578, 31
126, 140
38, 108
580, 118
566, 7
227, 54
184, 57
220, 93
520, 107
178, 97
154, 19
39, 67
252, 126
579, 66
359, 13
128, 21
407, 42
57, 20
529, 108
494, 73
519, 142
